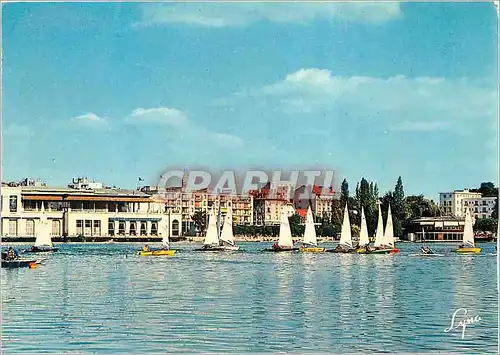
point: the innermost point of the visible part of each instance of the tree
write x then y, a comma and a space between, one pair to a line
200, 221
494, 213
344, 192
488, 189
486, 225
295, 227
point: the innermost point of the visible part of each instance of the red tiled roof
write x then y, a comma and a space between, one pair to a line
302, 212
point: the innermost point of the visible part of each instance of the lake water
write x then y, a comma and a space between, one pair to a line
103, 299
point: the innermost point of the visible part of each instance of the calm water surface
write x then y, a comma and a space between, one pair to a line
104, 299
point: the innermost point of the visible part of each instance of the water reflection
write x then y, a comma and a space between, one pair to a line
90, 297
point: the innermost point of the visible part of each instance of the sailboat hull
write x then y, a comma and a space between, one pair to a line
304, 249
39, 250
281, 249
468, 250
168, 252
19, 263
231, 248
384, 251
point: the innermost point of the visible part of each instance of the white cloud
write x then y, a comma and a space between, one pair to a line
219, 15
177, 119
397, 98
90, 119
160, 115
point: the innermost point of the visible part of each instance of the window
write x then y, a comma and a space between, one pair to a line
121, 228
475, 203
30, 227
175, 227
132, 228
143, 228
484, 216
13, 227
97, 227
79, 227
13, 203
154, 228
484, 209
111, 228
56, 227
88, 227
484, 203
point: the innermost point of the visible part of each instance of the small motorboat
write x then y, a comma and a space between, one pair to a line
17, 263
164, 251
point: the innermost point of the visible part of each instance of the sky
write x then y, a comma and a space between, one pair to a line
117, 91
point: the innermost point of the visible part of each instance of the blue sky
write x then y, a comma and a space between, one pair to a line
121, 90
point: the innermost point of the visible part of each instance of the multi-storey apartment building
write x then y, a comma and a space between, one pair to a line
321, 203
83, 209
455, 203
269, 201
188, 203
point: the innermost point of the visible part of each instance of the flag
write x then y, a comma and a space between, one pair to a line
141, 179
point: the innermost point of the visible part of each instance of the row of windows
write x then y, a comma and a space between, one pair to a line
30, 227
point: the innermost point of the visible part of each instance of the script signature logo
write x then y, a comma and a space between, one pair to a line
458, 320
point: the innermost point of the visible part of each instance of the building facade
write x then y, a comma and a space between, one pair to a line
90, 212
455, 203
189, 203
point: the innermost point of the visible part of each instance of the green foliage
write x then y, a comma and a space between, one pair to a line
344, 192
295, 227
494, 213
486, 225
200, 220
488, 189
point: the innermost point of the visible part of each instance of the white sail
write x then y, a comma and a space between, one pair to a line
227, 229
165, 239
43, 231
345, 234
389, 230
310, 231
285, 238
212, 236
363, 234
379, 235
468, 232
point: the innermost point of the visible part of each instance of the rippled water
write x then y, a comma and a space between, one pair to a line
104, 299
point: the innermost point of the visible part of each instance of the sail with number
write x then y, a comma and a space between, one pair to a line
345, 234
310, 231
212, 236
227, 228
363, 234
468, 238
43, 231
285, 238
389, 230
379, 235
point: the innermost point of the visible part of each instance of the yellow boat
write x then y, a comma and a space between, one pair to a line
304, 249
166, 252
468, 250
310, 244
468, 246
362, 250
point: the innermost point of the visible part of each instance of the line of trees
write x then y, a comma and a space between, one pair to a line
366, 194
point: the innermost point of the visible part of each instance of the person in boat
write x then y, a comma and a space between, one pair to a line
426, 250
145, 248
11, 254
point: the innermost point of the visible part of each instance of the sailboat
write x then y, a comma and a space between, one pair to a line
227, 237
468, 245
211, 242
310, 243
285, 241
345, 243
165, 249
364, 241
43, 241
386, 245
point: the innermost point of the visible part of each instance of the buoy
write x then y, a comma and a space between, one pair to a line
33, 265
